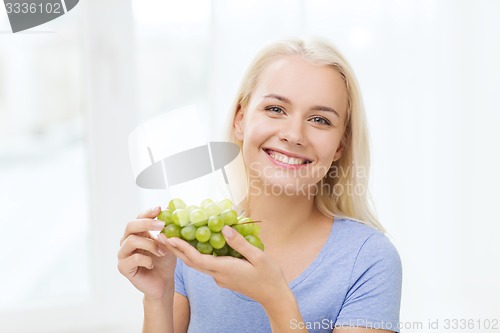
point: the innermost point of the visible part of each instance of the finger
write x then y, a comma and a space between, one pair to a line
182, 256
164, 244
240, 244
187, 253
135, 242
140, 226
129, 266
150, 213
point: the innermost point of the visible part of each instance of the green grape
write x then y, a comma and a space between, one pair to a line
222, 251
225, 204
180, 217
212, 209
244, 229
198, 218
201, 226
229, 217
172, 230
204, 247
189, 209
165, 216
206, 202
255, 229
217, 240
188, 232
215, 223
203, 234
233, 253
255, 241
244, 219
176, 204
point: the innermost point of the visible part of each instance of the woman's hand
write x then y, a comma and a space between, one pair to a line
142, 259
258, 277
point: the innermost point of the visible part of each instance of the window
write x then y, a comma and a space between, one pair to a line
43, 166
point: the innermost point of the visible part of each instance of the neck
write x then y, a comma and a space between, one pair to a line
283, 217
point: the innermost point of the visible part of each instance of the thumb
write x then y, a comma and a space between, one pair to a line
150, 213
240, 244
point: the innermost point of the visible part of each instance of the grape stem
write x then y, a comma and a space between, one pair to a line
249, 222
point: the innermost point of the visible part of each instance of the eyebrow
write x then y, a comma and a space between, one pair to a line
316, 107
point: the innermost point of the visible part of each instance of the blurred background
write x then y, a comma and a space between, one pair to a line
73, 89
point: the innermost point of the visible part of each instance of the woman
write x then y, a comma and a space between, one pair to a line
327, 265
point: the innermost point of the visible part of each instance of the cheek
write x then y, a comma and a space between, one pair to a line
251, 142
327, 156
257, 132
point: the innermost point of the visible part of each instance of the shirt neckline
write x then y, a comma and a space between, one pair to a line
327, 247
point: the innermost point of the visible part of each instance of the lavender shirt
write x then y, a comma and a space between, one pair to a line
354, 281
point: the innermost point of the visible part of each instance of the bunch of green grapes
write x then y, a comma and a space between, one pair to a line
201, 226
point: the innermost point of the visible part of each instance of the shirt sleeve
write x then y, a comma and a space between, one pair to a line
374, 297
179, 279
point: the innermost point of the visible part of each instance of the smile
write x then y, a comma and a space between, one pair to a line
286, 159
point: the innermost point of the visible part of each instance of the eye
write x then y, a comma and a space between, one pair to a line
275, 109
321, 120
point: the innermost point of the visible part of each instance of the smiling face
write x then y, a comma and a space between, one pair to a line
292, 127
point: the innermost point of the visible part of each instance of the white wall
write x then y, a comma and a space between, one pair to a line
429, 78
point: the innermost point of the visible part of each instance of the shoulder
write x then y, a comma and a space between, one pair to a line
369, 245
375, 279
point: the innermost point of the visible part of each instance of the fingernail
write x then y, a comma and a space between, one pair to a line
162, 238
161, 251
155, 208
158, 224
228, 232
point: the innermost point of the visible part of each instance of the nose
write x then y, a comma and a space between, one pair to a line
292, 131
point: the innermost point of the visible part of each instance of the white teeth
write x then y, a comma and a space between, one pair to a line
285, 159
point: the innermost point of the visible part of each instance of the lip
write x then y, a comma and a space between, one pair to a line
284, 165
287, 154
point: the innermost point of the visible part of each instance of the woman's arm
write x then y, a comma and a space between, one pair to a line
149, 264
182, 313
158, 313
166, 315
282, 310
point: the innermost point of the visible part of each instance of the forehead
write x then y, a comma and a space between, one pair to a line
304, 83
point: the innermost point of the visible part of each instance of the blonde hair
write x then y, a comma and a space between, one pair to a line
356, 153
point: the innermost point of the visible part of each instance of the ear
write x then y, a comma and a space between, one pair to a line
340, 149
238, 123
